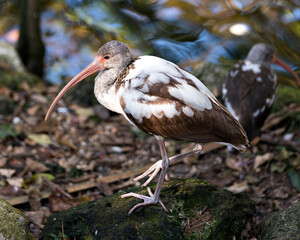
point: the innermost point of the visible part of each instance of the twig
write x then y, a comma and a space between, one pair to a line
279, 141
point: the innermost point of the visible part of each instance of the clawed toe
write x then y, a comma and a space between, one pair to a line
152, 172
147, 200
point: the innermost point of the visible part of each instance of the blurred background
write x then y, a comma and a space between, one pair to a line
66, 34
44, 43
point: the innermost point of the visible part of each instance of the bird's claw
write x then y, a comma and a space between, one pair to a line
147, 200
152, 172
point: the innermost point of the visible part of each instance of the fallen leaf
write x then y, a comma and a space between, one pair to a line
233, 163
278, 166
281, 193
39, 98
34, 167
11, 191
33, 110
261, 159
239, 187
43, 139
3, 161
36, 217
87, 167
105, 188
283, 155
37, 179
65, 140
69, 163
271, 122
84, 111
15, 181
7, 172
60, 203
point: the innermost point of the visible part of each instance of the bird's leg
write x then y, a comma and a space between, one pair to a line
154, 198
155, 168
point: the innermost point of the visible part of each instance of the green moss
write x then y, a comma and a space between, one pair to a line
13, 223
285, 95
282, 225
107, 218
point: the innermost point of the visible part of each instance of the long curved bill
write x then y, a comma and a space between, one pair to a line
95, 66
282, 64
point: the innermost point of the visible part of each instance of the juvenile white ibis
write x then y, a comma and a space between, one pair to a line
249, 91
161, 99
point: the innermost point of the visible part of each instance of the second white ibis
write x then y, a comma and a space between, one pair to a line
161, 99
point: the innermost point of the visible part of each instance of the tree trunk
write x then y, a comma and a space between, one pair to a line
30, 45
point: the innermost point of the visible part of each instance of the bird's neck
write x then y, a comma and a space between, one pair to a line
105, 79
105, 90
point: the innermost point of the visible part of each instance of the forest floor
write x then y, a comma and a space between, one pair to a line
85, 153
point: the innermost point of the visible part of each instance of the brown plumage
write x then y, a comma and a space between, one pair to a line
161, 99
250, 88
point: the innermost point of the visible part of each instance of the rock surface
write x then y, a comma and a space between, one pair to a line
13, 223
10, 56
282, 225
197, 210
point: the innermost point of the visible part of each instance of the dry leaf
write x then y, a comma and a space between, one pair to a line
15, 181
3, 161
7, 172
11, 191
39, 98
36, 217
35, 167
69, 163
60, 203
84, 111
65, 140
87, 167
43, 139
33, 110
261, 159
239, 187
233, 163
105, 188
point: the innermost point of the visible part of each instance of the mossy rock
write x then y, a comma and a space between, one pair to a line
225, 215
282, 225
13, 223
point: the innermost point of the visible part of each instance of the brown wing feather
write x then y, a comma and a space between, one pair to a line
214, 125
246, 95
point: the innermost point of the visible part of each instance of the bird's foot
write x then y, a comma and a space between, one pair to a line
152, 172
147, 200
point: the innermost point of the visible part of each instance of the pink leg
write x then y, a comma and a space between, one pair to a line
155, 168
154, 198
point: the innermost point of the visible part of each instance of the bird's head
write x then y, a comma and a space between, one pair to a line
112, 55
262, 53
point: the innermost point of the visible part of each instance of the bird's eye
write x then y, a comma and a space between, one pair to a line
106, 57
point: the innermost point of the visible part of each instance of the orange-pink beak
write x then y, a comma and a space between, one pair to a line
282, 64
96, 65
